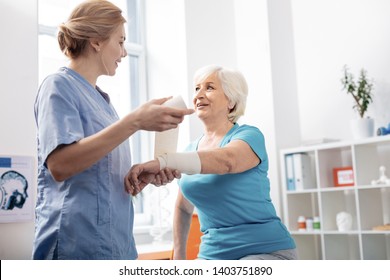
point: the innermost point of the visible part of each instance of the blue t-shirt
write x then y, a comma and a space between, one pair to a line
236, 214
88, 216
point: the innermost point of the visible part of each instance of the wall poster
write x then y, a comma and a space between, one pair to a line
16, 189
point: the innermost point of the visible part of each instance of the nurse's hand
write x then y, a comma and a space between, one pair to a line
154, 116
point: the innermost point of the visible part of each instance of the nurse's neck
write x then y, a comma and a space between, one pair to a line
85, 69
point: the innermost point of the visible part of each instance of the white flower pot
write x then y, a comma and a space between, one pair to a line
362, 128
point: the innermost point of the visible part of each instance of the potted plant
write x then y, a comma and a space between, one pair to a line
361, 92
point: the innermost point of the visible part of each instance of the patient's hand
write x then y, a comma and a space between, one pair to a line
166, 176
140, 175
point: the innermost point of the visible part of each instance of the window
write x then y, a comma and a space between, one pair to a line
127, 88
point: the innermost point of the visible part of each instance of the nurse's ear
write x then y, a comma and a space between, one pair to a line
95, 44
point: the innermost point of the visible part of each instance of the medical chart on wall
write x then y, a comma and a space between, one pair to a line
16, 189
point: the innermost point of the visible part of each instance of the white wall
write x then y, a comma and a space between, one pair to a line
329, 34
252, 37
19, 79
211, 39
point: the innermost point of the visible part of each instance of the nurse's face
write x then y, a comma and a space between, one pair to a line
112, 51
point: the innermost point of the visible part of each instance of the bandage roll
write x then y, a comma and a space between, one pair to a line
187, 162
166, 141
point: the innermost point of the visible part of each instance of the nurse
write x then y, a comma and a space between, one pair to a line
83, 211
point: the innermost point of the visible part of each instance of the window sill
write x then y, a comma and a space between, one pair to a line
142, 235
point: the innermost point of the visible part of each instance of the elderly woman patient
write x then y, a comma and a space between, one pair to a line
225, 177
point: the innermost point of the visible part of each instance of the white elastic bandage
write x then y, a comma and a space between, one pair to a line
188, 162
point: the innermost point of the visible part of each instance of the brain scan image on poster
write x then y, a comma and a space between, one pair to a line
16, 183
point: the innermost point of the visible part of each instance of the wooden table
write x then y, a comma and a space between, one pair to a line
155, 251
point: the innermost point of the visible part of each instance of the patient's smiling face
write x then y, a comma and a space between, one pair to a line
210, 101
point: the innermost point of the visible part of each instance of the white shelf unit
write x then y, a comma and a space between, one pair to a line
368, 204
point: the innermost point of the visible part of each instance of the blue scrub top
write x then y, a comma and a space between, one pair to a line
236, 214
88, 216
